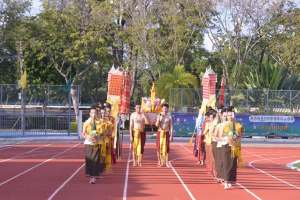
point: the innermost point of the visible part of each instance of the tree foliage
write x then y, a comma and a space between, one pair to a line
153, 40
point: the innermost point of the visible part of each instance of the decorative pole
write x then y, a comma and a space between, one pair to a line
153, 97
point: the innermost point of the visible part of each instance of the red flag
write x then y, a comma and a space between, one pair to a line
221, 99
124, 105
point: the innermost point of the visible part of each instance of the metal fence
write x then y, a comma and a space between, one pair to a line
248, 102
38, 110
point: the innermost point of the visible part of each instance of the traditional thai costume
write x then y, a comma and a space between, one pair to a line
219, 157
139, 141
232, 153
163, 143
199, 149
210, 160
92, 154
112, 152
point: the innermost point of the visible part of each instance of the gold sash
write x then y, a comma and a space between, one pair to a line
108, 154
163, 144
208, 137
108, 126
137, 143
105, 154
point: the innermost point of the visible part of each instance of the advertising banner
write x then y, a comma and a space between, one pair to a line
281, 126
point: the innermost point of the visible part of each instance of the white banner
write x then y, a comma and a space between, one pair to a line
268, 118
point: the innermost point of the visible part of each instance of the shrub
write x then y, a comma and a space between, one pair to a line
73, 127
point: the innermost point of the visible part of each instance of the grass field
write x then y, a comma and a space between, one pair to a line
297, 165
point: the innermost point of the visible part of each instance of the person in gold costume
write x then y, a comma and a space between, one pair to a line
92, 150
208, 132
164, 136
231, 135
138, 134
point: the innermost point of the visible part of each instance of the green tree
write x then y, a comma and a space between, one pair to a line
178, 79
272, 77
284, 44
74, 35
12, 14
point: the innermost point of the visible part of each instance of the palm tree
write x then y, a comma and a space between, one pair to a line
272, 78
178, 79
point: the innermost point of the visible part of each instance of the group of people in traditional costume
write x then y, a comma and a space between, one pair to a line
137, 131
99, 153
214, 146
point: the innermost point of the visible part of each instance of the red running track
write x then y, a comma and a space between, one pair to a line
56, 171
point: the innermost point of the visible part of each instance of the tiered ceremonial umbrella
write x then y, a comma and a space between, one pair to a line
115, 82
118, 95
209, 81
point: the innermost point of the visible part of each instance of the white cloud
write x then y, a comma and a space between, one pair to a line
36, 7
36, 4
207, 43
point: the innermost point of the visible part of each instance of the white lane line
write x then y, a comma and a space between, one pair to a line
127, 173
21, 157
248, 191
12, 145
44, 154
185, 187
250, 164
24, 153
126, 179
37, 165
271, 159
236, 182
56, 191
67, 157
186, 148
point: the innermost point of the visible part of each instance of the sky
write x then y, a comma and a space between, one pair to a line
207, 43
35, 7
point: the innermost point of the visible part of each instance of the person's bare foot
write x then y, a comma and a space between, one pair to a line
161, 165
134, 164
168, 164
158, 164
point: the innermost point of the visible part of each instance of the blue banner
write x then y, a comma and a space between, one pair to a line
282, 126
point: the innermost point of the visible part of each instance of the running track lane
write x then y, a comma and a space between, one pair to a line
257, 182
44, 176
153, 182
110, 187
